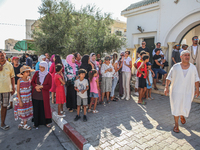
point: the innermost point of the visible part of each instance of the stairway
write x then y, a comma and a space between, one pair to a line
160, 90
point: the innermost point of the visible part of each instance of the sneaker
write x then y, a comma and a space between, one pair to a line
136, 93
84, 118
77, 117
123, 97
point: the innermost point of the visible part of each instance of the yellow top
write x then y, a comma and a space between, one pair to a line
5, 78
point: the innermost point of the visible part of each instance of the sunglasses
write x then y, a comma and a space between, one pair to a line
143, 43
196, 39
177, 45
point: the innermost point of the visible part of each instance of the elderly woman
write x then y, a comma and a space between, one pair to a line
88, 66
41, 83
71, 72
40, 59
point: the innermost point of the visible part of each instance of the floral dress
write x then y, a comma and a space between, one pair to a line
25, 112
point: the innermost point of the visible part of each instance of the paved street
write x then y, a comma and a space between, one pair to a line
127, 125
41, 139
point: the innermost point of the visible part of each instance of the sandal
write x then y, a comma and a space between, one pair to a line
61, 116
151, 98
48, 125
143, 103
5, 127
176, 129
26, 127
10, 107
108, 101
95, 111
156, 88
183, 121
89, 110
20, 126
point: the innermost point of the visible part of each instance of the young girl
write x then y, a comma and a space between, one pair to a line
149, 80
60, 91
94, 86
23, 108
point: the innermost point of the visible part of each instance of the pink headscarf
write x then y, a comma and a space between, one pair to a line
52, 58
69, 61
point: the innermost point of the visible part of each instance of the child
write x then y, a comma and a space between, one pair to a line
60, 90
23, 108
107, 72
142, 74
81, 86
149, 80
94, 86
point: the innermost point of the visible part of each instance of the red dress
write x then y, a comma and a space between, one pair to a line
60, 90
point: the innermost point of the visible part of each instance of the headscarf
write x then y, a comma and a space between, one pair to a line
94, 62
43, 74
69, 61
85, 65
40, 58
52, 58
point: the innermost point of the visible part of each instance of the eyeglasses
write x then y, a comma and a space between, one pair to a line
196, 39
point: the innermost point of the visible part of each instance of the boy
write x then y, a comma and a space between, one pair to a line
150, 75
81, 86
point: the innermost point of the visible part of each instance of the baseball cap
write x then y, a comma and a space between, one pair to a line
15, 57
149, 64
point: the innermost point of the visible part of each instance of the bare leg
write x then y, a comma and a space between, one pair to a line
95, 103
107, 95
84, 109
164, 78
144, 92
150, 92
103, 95
140, 95
91, 102
59, 109
176, 118
3, 115
147, 94
53, 97
78, 110
154, 83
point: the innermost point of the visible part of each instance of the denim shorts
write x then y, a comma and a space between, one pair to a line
95, 95
158, 70
149, 87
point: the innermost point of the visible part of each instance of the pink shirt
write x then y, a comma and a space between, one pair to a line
93, 85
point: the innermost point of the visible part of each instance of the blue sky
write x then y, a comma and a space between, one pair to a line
17, 11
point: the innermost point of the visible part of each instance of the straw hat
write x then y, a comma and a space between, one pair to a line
174, 47
23, 69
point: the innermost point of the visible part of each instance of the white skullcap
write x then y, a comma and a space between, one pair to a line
185, 52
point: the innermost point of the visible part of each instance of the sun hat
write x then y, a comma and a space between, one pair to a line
142, 52
174, 47
23, 69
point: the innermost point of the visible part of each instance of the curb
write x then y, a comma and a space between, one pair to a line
78, 140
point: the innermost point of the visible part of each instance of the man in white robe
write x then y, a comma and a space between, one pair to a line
184, 86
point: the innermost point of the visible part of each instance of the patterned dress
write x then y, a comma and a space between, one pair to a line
25, 112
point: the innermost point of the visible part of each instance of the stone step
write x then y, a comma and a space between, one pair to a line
161, 92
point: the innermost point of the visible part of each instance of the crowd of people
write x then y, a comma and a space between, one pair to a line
88, 80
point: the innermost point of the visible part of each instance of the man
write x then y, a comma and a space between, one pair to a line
176, 54
143, 48
98, 56
29, 61
7, 86
195, 53
184, 80
77, 59
17, 67
47, 58
126, 75
157, 65
184, 47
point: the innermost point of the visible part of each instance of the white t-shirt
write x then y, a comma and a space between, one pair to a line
185, 71
194, 49
124, 67
81, 85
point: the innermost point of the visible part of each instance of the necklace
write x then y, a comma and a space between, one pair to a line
195, 56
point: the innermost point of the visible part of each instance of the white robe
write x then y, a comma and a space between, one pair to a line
182, 89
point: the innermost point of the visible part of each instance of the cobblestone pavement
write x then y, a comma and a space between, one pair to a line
126, 125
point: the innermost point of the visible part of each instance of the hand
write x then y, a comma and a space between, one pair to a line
77, 90
162, 65
153, 75
61, 74
13, 91
21, 104
149, 84
166, 91
37, 88
82, 91
98, 88
196, 93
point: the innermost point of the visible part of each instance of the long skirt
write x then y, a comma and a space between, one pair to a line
38, 113
71, 97
121, 91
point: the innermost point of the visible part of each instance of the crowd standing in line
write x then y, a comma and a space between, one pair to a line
86, 81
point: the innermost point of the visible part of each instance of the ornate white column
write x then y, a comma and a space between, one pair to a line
170, 44
136, 47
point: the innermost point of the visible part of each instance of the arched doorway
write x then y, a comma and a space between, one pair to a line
187, 37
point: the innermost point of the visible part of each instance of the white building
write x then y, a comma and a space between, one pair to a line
165, 21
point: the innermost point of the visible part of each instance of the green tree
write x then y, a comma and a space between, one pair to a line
63, 30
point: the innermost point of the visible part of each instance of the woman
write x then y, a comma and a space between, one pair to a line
41, 83
116, 67
120, 75
93, 61
71, 72
40, 59
88, 66
52, 70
